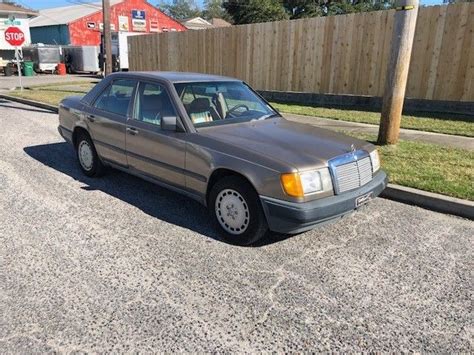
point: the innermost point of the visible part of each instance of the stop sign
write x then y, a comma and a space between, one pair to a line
14, 36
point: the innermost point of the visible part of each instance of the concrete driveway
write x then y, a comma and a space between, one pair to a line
118, 264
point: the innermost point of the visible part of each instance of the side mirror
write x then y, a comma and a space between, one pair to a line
169, 123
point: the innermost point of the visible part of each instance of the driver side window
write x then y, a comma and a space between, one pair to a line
200, 105
152, 103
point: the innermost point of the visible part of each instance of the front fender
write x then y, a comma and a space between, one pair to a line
202, 162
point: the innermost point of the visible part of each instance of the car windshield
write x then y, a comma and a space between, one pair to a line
213, 103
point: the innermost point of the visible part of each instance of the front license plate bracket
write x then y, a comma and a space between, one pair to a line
362, 200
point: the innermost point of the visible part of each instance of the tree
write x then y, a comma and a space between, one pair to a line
311, 8
253, 11
181, 9
304, 8
214, 9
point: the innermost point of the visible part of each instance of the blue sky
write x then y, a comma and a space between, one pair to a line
43, 4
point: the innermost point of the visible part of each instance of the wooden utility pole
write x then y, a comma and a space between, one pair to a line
397, 71
107, 45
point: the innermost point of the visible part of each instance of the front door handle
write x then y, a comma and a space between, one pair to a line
91, 118
132, 131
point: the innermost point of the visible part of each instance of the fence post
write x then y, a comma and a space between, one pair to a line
397, 71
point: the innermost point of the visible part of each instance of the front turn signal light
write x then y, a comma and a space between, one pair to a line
291, 183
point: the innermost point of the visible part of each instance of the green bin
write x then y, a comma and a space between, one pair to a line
28, 69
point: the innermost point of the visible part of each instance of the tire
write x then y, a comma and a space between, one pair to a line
8, 71
89, 161
236, 210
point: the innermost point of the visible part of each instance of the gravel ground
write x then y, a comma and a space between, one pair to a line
118, 264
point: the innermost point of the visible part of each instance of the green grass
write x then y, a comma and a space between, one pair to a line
53, 93
83, 83
437, 122
429, 167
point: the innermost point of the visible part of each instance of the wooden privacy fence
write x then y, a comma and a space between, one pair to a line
345, 54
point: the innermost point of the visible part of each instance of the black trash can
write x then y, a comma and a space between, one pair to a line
8, 70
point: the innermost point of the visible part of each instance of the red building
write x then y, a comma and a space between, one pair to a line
81, 24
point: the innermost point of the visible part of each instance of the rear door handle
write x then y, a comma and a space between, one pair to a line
91, 118
132, 131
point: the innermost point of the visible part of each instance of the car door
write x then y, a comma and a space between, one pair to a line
107, 120
150, 150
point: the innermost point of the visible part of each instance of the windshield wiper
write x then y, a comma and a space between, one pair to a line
271, 115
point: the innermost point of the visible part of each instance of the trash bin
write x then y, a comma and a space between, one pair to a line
8, 70
61, 68
28, 69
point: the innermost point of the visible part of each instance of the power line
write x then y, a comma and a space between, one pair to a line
94, 5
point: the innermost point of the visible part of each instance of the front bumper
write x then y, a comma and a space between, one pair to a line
292, 217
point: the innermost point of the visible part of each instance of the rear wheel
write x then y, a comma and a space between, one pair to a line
87, 156
237, 211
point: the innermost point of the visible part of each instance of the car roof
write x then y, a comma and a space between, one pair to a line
177, 77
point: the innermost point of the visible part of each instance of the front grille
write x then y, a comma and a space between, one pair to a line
353, 174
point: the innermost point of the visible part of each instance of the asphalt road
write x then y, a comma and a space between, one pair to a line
117, 264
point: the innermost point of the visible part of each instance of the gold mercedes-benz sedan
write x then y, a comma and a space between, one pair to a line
216, 140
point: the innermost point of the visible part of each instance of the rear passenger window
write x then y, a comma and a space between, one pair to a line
116, 98
152, 103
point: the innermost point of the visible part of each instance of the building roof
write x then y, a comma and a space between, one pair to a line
195, 23
15, 9
66, 14
218, 22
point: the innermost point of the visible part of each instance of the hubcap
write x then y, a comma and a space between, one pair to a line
86, 158
232, 211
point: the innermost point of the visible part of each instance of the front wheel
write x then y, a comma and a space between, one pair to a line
87, 155
237, 210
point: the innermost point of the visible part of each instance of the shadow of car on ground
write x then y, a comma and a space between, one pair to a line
152, 199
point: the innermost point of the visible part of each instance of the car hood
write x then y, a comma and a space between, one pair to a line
297, 144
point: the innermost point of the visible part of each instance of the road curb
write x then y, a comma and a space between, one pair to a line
30, 102
408, 195
430, 200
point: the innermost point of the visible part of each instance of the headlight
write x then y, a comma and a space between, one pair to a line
311, 182
375, 159
308, 182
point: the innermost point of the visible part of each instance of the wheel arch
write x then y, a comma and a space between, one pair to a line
221, 173
76, 132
